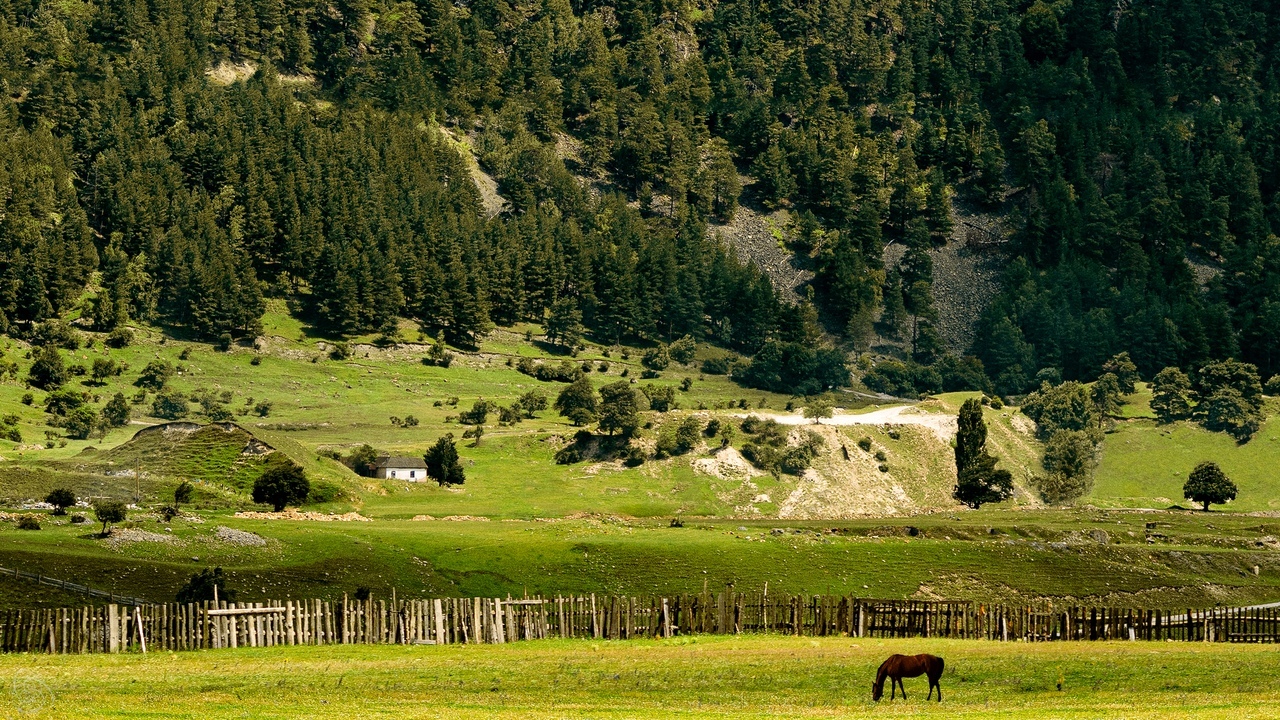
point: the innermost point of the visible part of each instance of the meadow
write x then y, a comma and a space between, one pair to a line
531, 525
696, 677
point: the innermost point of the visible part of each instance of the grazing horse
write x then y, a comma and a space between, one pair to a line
900, 666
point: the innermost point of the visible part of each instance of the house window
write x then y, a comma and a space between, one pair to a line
393, 473
413, 474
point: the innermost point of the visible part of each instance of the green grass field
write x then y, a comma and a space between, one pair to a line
1096, 557
697, 677
601, 527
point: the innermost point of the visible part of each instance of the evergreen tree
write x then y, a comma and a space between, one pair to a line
978, 481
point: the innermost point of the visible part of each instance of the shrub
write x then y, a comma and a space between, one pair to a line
880, 456
256, 360
282, 483
662, 398
865, 444
200, 588
532, 402
28, 399
634, 457
155, 375
78, 519
60, 499
340, 351
682, 350
262, 409
48, 371
116, 413
1273, 386
170, 405
722, 365
688, 434
713, 427
121, 337
108, 512
656, 358
183, 493
569, 455
29, 521
224, 342
477, 415
686, 384
168, 513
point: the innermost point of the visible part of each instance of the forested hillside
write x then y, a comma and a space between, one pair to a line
1134, 146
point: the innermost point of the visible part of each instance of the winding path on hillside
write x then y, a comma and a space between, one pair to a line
944, 426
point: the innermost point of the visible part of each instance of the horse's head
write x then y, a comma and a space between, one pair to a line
877, 690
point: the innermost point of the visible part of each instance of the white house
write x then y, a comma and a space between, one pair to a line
401, 468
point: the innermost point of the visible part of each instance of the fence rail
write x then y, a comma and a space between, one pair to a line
191, 626
74, 587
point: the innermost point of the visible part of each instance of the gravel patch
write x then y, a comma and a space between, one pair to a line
232, 536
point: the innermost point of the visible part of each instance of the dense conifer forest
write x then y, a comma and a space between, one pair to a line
1134, 146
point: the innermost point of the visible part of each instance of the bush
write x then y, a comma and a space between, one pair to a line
121, 337
108, 512
682, 350
78, 519
532, 402
340, 351
569, 455
686, 384
722, 365
262, 409
283, 483
183, 493
155, 375
28, 399
47, 372
168, 513
29, 521
662, 398
224, 342
170, 405
256, 360
634, 457
200, 588
60, 499
688, 434
865, 444
477, 415
656, 358
713, 427
1272, 387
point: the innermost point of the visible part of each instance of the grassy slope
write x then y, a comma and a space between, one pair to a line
722, 677
989, 555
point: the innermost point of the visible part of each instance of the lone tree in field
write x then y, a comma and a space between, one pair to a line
109, 511
442, 462
60, 499
978, 481
1208, 484
619, 409
577, 402
283, 483
817, 409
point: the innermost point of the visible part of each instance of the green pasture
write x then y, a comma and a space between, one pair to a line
696, 677
1094, 557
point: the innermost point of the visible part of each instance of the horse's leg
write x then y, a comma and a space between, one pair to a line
904, 689
893, 688
930, 695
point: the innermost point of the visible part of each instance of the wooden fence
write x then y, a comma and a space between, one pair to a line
191, 626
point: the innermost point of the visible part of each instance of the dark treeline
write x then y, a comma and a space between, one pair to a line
1133, 136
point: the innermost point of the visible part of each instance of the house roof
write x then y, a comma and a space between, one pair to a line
401, 462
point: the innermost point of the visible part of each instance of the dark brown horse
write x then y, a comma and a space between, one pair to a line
900, 666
